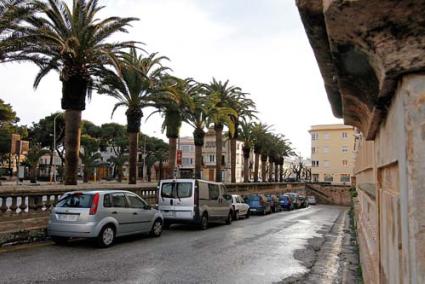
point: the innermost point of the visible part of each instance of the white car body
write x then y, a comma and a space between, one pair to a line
240, 208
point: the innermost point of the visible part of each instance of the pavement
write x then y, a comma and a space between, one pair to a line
302, 246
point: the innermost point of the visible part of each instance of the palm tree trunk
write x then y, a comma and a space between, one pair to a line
233, 160
281, 172
172, 144
276, 172
161, 170
219, 151
86, 174
256, 164
263, 167
72, 145
270, 171
133, 140
246, 151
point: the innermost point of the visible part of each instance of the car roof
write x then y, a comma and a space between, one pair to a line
104, 191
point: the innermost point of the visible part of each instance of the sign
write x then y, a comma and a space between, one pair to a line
179, 157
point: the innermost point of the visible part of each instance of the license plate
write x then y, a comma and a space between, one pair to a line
253, 209
183, 214
68, 218
167, 213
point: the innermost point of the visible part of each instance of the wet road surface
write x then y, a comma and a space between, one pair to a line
257, 250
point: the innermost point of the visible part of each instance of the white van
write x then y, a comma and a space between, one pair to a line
193, 201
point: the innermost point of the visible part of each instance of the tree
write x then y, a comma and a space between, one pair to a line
89, 155
7, 114
259, 131
114, 137
32, 160
219, 113
73, 42
12, 13
156, 151
173, 102
134, 84
245, 110
247, 136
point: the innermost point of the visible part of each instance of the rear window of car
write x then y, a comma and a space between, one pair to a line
284, 197
253, 198
176, 190
81, 200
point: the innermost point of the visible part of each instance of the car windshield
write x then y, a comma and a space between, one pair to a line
253, 198
176, 190
80, 200
284, 197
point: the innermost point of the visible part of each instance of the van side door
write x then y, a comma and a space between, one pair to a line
224, 204
215, 200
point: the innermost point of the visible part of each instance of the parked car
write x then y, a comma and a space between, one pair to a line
303, 202
258, 204
240, 208
311, 200
286, 202
193, 201
295, 200
274, 203
103, 215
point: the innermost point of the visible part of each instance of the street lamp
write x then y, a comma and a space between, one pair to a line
54, 147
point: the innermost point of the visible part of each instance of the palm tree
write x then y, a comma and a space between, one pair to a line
12, 13
245, 109
135, 85
219, 95
247, 136
73, 42
259, 131
173, 102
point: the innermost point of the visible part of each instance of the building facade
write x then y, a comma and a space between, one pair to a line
332, 153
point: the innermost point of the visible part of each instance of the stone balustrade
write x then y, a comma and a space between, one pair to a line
21, 201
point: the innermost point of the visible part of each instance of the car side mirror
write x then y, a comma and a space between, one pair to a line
147, 207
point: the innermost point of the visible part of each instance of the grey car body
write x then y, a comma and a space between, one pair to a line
193, 201
77, 215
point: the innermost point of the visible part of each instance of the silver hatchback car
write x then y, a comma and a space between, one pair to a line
102, 215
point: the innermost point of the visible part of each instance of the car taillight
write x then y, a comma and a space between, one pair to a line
94, 204
196, 197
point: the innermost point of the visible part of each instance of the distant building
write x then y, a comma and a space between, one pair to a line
187, 146
332, 153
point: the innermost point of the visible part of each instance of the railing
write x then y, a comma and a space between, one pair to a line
30, 200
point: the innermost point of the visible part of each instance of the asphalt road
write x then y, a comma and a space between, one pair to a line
261, 249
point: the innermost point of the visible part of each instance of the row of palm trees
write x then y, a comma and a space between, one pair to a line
73, 42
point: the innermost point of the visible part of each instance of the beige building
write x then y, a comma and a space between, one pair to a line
332, 153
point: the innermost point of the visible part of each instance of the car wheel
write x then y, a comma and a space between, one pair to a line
60, 240
204, 222
236, 215
156, 228
229, 219
106, 236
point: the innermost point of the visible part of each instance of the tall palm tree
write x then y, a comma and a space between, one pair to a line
135, 84
245, 109
173, 102
259, 131
73, 42
219, 94
247, 136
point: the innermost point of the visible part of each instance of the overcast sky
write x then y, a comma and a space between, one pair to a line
259, 46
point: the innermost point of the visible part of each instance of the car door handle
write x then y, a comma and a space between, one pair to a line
114, 212
134, 213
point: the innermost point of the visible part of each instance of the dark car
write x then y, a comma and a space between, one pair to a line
295, 200
286, 202
274, 203
258, 204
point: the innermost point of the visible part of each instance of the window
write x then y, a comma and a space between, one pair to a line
118, 200
315, 177
314, 136
344, 162
344, 149
326, 164
136, 202
211, 158
326, 149
187, 161
313, 150
213, 191
326, 136
179, 190
328, 178
107, 201
76, 200
314, 163
344, 135
186, 148
345, 178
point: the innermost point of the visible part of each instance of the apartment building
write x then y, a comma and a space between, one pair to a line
332, 153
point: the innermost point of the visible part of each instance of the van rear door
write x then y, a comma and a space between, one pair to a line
184, 199
166, 199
